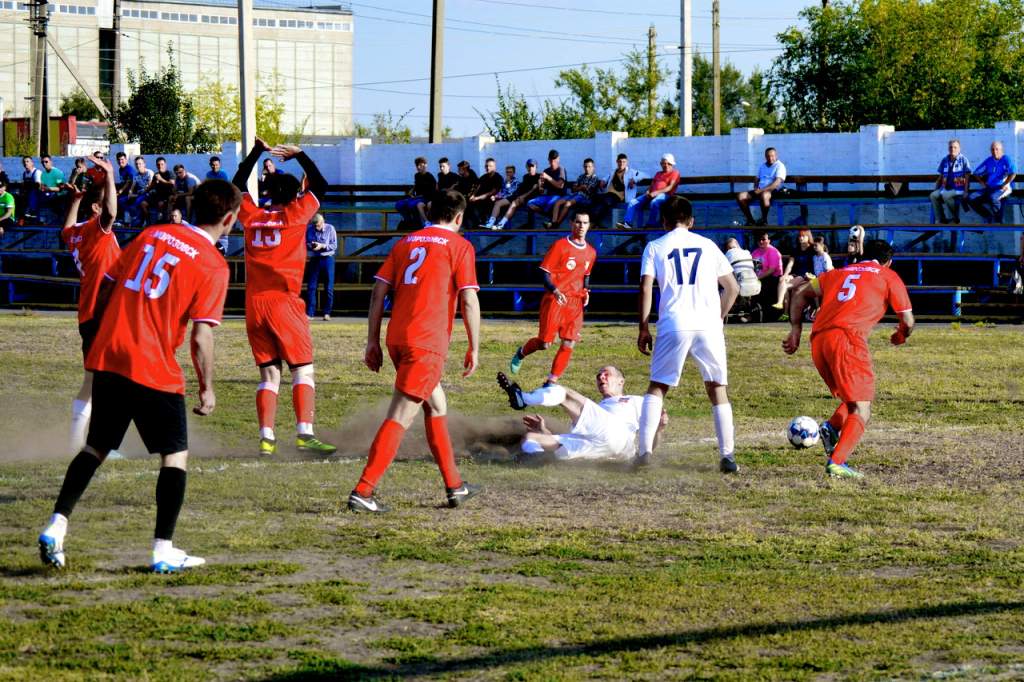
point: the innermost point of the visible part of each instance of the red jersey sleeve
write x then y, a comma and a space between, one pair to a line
553, 257
591, 259
208, 303
898, 298
302, 210
388, 272
116, 270
465, 268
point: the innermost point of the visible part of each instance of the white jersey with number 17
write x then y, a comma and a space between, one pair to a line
687, 267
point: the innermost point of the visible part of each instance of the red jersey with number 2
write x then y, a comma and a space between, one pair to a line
568, 263
275, 244
856, 297
94, 252
426, 271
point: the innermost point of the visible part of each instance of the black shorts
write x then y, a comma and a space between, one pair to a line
117, 402
87, 330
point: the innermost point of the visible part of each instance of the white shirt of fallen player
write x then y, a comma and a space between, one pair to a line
605, 430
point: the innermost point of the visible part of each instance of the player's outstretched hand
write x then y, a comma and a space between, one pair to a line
534, 423
644, 342
373, 357
259, 143
898, 338
286, 151
560, 297
471, 362
791, 343
100, 162
207, 401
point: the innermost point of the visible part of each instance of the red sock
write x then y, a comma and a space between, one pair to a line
561, 362
838, 417
440, 443
532, 346
382, 452
266, 407
848, 439
304, 402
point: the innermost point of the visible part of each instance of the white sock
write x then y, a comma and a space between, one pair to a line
304, 429
550, 396
503, 222
531, 447
724, 429
81, 410
161, 546
267, 432
58, 526
650, 418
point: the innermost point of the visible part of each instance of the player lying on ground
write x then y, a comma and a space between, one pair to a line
427, 272
275, 315
853, 300
168, 275
605, 430
690, 269
566, 267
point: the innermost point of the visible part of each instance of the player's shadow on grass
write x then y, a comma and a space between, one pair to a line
343, 670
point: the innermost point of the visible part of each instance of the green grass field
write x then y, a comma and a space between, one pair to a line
559, 572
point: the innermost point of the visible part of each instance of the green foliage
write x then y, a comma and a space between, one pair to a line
19, 144
386, 129
76, 103
218, 108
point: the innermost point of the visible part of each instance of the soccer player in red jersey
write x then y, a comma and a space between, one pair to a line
168, 275
427, 271
853, 300
94, 248
275, 315
566, 266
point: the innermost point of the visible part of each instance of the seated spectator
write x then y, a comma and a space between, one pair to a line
30, 194
446, 179
158, 193
552, 185
743, 267
3, 175
583, 192
80, 178
528, 188
468, 180
770, 178
509, 186
799, 268
216, 172
997, 172
770, 271
662, 187
954, 172
481, 201
125, 178
175, 217
51, 184
322, 242
263, 183
132, 200
619, 187
413, 207
184, 184
822, 258
7, 207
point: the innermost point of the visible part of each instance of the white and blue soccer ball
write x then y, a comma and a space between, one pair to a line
803, 432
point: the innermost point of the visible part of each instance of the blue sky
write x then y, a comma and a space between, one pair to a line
515, 37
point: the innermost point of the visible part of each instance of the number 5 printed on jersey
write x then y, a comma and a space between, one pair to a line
849, 288
161, 270
417, 256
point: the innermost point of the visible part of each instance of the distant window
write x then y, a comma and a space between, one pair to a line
194, 18
346, 27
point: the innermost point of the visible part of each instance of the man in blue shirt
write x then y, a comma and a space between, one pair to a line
997, 172
322, 242
215, 172
954, 172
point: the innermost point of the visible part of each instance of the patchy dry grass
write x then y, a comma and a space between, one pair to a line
557, 572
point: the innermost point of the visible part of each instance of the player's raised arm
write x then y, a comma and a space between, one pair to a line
730, 290
644, 341
71, 219
471, 319
241, 179
315, 181
110, 193
202, 359
799, 300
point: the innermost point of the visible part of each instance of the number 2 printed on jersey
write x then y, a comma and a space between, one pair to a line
417, 256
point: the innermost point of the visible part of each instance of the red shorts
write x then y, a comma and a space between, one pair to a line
843, 361
419, 370
278, 329
564, 320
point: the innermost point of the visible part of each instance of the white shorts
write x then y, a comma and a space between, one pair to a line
597, 434
707, 348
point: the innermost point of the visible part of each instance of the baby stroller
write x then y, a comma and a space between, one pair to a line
746, 308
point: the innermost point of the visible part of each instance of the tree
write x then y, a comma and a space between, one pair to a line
159, 114
218, 108
385, 129
746, 102
76, 103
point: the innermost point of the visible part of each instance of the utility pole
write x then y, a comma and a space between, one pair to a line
246, 83
437, 73
685, 68
38, 18
716, 69
652, 75
115, 83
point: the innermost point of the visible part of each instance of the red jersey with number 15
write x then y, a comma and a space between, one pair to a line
426, 271
856, 297
275, 244
568, 263
168, 275
94, 252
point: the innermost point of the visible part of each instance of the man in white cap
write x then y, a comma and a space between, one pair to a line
770, 177
662, 187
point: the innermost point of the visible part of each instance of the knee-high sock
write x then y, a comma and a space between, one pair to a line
838, 418
551, 396
170, 494
561, 362
440, 443
650, 418
382, 452
724, 429
531, 346
76, 480
848, 439
303, 398
266, 408
81, 410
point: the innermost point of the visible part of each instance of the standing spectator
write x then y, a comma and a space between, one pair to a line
771, 269
528, 188
503, 198
468, 180
583, 192
954, 172
998, 173
137, 193
7, 206
799, 267
481, 200
31, 195
184, 184
662, 187
618, 188
322, 242
266, 179
822, 259
125, 178
215, 172
770, 177
552, 184
413, 207
51, 185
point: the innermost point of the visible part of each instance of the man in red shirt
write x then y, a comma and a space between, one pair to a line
662, 187
566, 266
94, 248
275, 315
853, 300
427, 271
168, 275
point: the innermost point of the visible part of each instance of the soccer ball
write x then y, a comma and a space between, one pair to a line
803, 432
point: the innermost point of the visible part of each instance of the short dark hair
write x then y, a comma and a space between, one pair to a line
446, 205
490, 158
3, 183
419, 160
820, 239
771, 149
676, 210
26, 157
79, 160
586, 212
45, 156
759, 235
214, 158
120, 155
878, 250
178, 167
587, 160
510, 167
214, 199
553, 154
443, 159
282, 188
463, 164
140, 158
620, 157
160, 158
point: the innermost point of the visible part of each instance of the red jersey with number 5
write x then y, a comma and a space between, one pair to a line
568, 263
275, 244
168, 275
856, 297
94, 252
426, 271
